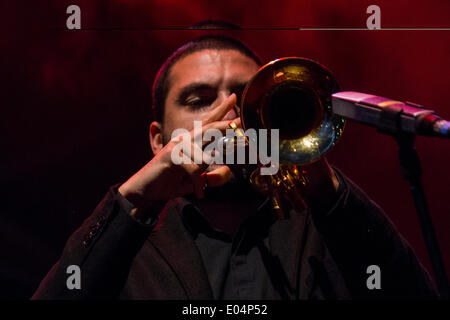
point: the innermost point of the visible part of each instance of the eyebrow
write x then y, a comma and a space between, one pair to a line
200, 86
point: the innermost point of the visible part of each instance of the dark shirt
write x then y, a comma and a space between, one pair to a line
241, 267
235, 266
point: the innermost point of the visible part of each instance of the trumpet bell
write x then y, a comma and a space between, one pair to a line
293, 95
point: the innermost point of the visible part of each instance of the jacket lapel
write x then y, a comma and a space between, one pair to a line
177, 247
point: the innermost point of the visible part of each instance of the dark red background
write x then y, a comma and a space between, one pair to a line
75, 105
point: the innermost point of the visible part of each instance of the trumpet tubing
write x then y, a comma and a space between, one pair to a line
292, 95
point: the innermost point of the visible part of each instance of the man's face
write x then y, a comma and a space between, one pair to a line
200, 82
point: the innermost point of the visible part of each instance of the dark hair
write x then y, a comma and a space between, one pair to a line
162, 84
214, 25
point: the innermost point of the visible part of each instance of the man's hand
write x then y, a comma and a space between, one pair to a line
161, 180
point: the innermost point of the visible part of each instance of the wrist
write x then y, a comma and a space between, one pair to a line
136, 207
135, 197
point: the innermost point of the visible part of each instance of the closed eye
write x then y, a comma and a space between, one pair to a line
200, 101
197, 96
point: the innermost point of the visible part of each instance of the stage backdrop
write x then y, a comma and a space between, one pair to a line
75, 105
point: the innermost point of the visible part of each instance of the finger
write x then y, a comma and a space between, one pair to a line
179, 138
222, 126
196, 154
237, 121
220, 112
218, 176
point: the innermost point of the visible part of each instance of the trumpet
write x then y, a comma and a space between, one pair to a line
292, 95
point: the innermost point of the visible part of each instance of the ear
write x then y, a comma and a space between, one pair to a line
156, 138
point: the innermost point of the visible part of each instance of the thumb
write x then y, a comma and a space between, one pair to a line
218, 176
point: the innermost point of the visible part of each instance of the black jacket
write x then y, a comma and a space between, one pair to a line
323, 255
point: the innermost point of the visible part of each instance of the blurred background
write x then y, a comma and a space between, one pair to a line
76, 105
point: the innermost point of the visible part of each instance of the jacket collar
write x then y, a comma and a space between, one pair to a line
175, 242
176, 245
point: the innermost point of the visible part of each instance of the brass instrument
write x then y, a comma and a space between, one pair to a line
293, 95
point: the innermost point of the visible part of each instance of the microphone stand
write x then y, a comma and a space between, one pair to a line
412, 171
